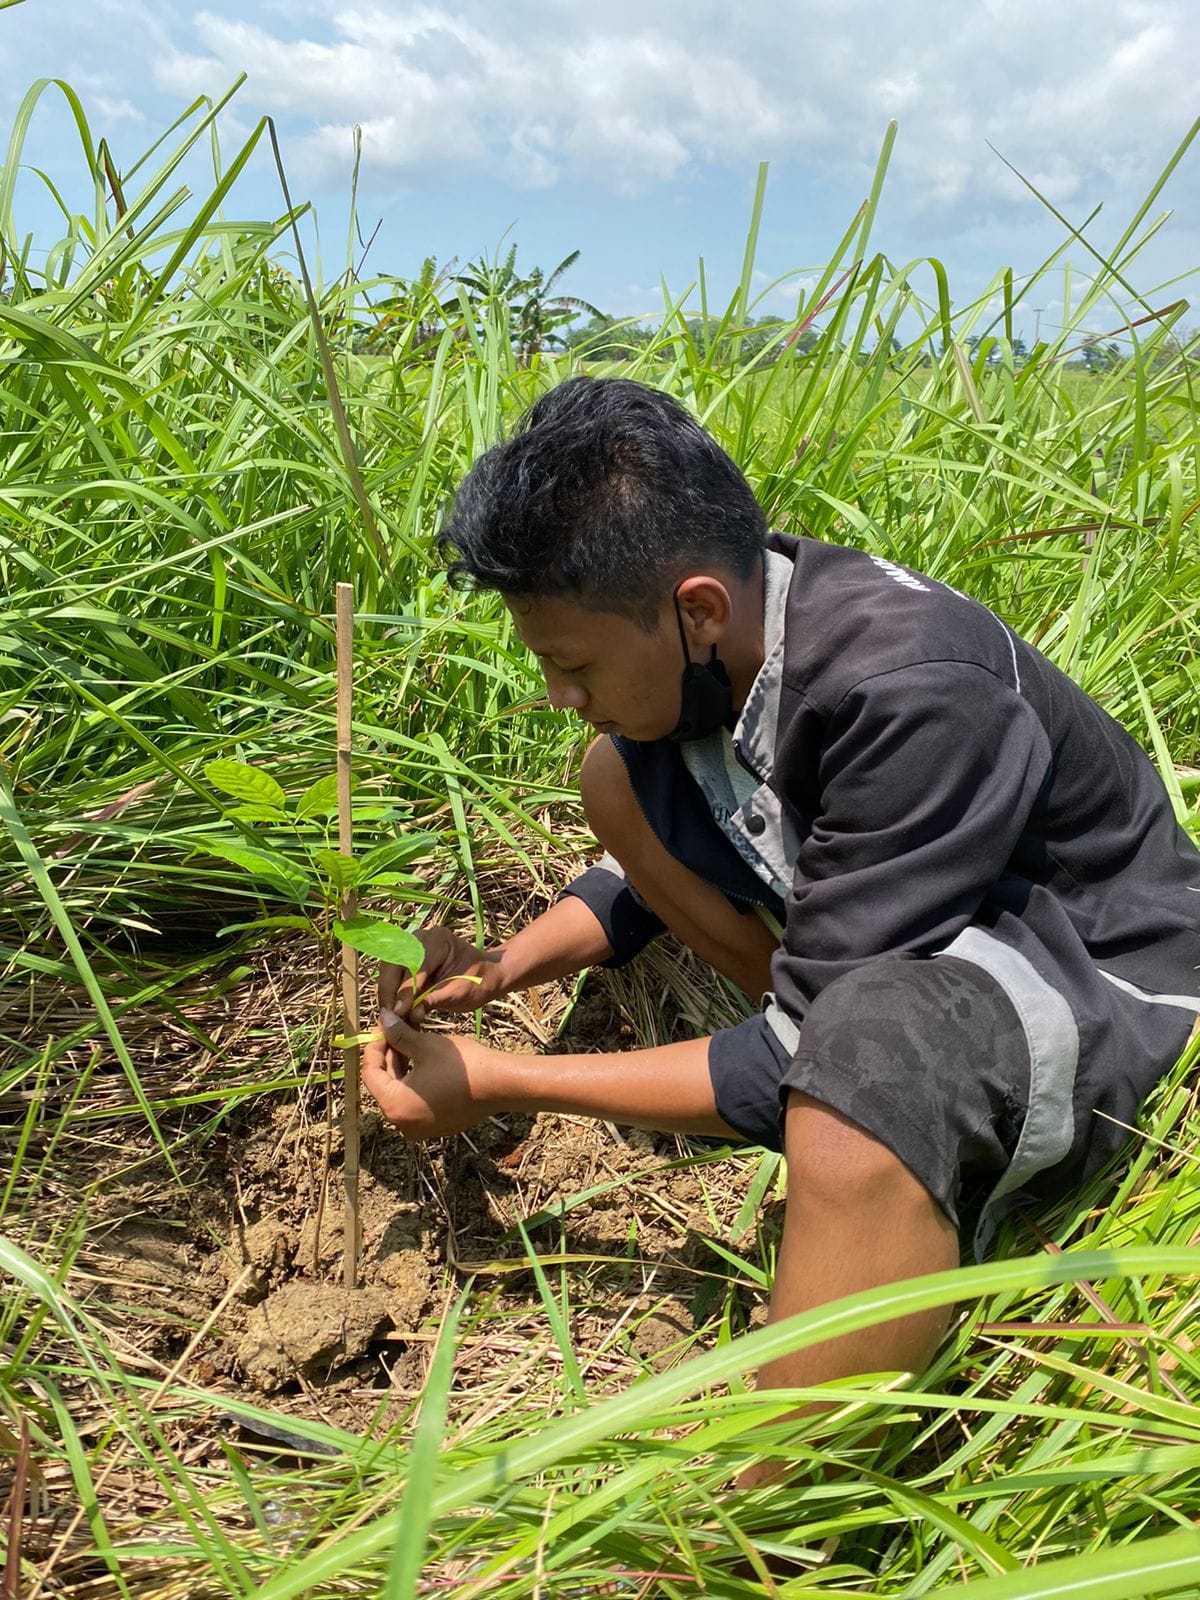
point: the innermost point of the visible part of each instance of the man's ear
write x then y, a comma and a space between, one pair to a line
706, 608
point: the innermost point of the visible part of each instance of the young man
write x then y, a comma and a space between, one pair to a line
990, 921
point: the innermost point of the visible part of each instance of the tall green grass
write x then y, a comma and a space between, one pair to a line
175, 510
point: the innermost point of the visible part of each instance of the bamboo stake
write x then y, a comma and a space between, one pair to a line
349, 958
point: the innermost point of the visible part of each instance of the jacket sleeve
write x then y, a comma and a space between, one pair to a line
628, 922
927, 778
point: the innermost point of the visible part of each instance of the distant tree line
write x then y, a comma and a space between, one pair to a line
616, 339
417, 310
411, 315
1090, 353
410, 318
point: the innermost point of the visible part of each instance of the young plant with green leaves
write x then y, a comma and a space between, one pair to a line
312, 873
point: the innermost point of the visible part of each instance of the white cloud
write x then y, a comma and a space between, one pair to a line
118, 110
1087, 103
635, 97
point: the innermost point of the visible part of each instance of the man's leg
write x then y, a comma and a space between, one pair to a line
739, 945
856, 1218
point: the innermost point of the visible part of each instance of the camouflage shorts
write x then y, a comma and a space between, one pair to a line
927, 1055
930, 1056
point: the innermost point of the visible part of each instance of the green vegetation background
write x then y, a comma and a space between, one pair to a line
175, 511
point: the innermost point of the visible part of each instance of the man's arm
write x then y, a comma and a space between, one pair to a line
454, 1083
562, 941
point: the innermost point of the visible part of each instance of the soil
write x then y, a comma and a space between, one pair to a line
236, 1279
308, 1329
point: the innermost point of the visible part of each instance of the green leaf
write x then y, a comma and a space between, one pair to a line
253, 812
245, 782
1168, 1564
303, 923
1162, 750
266, 865
382, 941
342, 871
416, 1508
395, 853
768, 1165
320, 799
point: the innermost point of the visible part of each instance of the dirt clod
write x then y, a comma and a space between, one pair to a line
260, 1258
405, 1284
307, 1329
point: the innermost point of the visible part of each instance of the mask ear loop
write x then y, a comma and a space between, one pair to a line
687, 654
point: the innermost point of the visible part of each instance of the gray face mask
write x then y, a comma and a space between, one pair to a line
706, 694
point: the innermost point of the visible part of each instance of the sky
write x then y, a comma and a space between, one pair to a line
632, 130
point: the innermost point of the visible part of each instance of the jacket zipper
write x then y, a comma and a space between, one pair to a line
744, 763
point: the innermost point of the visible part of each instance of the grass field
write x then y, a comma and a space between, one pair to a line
176, 507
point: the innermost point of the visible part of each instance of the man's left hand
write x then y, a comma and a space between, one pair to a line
447, 1085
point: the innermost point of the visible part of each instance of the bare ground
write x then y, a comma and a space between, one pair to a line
228, 1279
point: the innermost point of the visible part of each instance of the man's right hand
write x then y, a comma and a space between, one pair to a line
454, 976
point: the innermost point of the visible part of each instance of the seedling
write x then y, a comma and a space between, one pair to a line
283, 844
336, 877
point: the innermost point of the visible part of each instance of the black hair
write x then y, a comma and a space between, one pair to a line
607, 494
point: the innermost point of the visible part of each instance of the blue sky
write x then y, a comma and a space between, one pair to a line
632, 131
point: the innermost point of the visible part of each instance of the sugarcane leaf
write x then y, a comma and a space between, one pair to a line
395, 853
303, 924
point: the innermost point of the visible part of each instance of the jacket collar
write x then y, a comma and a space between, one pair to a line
758, 722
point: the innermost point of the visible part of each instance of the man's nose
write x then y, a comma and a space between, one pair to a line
562, 694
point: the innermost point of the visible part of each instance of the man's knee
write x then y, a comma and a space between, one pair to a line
608, 799
833, 1163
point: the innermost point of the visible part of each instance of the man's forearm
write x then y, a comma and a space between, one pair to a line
668, 1089
563, 940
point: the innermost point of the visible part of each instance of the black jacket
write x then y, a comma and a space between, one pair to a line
927, 772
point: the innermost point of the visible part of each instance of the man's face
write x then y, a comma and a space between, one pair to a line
610, 672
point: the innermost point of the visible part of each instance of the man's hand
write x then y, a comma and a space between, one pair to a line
447, 1085
447, 958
